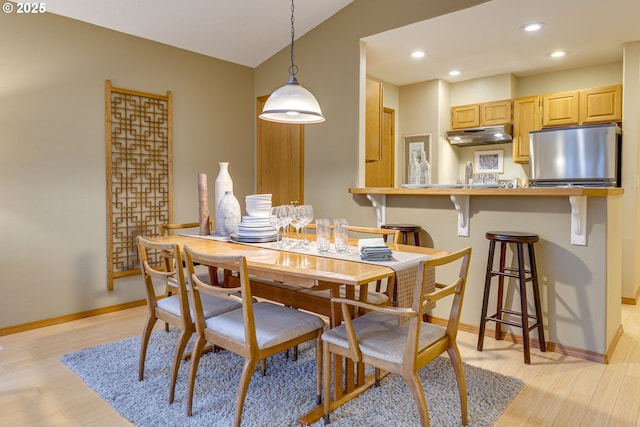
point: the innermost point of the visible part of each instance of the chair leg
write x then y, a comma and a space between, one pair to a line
458, 369
263, 367
418, 394
485, 299
536, 297
146, 333
523, 304
177, 358
500, 296
245, 379
319, 368
326, 380
193, 369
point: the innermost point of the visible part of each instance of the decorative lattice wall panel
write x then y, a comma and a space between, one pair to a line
139, 180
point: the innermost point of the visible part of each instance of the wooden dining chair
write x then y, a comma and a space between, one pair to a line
161, 262
397, 340
379, 295
388, 235
256, 331
166, 229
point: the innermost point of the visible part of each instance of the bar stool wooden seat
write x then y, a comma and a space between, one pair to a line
522, 276
405, 231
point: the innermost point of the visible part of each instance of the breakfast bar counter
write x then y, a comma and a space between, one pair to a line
479, 191
579, 254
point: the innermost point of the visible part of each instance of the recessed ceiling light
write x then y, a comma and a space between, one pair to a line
417, 54
454, 72
558, 54
532, 27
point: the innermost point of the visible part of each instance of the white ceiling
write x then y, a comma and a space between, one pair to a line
245, 32
487, 40
480, 41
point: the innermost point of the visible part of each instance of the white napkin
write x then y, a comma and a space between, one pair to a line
377, 242
374, 249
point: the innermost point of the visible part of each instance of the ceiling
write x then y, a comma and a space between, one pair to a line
480, 41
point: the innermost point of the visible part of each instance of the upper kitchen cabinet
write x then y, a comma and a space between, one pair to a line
465, 116
373, 138
561, 109
602, 104
526, 118
485, 114
495, 113
380, 137
595, 105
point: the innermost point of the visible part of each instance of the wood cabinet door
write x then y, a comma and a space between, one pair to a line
373, 112
602, 104
526, 118
465, 116
561, 109
380, 173
280, 159
495, 113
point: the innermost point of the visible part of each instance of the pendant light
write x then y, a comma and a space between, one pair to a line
292, 103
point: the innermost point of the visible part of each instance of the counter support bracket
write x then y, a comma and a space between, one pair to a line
578, 220
379, 202
461, 203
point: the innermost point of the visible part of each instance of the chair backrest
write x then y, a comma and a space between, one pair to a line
236, 264
166, 229
163, 262
384, 232
422, 299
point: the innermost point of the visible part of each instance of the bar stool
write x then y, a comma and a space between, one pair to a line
405, 230
522, 276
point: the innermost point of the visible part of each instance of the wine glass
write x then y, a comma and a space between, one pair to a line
275, 222
284, 216
307, 220
297, 221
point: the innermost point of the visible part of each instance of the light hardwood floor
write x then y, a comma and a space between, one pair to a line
37, 389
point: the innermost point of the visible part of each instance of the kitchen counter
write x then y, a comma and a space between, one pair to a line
579, 254
460, 197
528, 192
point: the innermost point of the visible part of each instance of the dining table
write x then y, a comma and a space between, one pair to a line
307, 268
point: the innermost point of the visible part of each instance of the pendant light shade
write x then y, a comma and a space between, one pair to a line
292, 103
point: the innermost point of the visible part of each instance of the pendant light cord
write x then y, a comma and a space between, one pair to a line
293, 69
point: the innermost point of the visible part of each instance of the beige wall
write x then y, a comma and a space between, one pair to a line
52, 152
52, 166
329, 60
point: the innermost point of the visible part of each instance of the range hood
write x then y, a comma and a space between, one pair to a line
481, 136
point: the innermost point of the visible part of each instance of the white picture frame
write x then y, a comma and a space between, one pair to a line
417, 142
489, 161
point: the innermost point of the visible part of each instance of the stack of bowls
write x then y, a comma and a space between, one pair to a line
258, 205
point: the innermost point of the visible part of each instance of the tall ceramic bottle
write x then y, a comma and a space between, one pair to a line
223, 183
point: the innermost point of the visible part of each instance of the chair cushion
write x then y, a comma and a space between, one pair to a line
275, 324
382, 336
211, 306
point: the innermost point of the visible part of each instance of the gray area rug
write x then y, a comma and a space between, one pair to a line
278, 399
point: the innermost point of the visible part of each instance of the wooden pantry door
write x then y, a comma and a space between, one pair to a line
280, 159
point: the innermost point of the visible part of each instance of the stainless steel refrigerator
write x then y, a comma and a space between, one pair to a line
587, 155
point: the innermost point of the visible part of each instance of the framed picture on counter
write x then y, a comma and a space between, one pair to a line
419, 143
489, 161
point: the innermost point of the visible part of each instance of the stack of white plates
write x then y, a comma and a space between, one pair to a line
258, 205
255, 227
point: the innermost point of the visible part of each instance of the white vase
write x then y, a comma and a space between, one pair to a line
223, 183
228, 215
